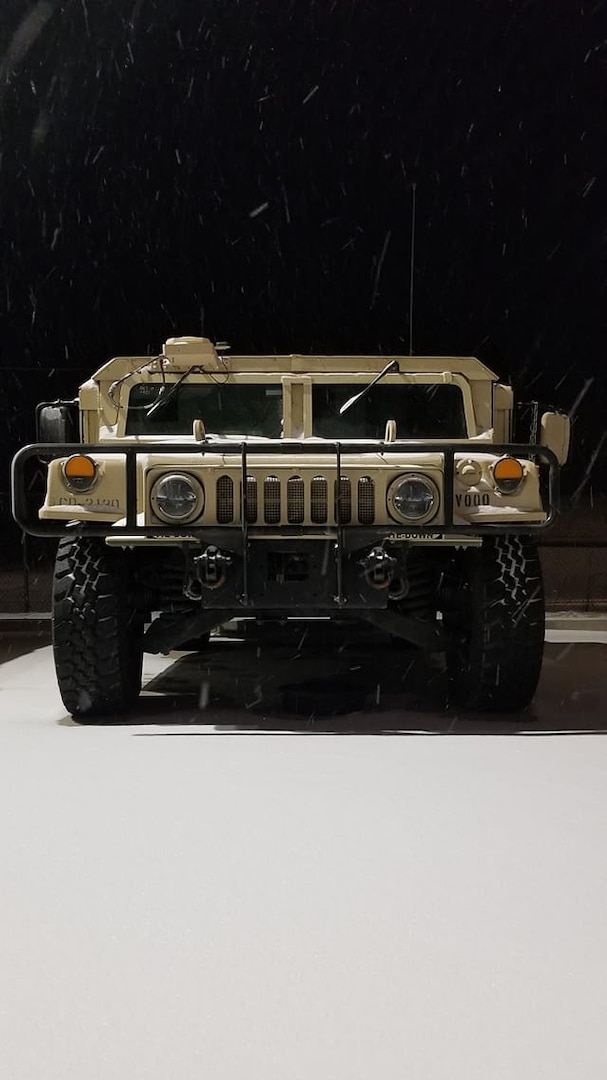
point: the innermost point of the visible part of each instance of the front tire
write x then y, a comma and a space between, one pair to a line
494, 621
97, 631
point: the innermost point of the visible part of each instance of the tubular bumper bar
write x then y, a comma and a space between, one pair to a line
29, 461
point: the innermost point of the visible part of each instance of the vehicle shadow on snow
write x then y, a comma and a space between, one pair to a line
322, 682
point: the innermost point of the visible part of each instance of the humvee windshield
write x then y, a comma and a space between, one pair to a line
432, 411
227, 409
421, 412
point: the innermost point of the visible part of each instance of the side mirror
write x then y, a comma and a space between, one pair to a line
555, 430
58, 422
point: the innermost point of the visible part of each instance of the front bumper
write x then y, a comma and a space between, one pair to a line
29, 471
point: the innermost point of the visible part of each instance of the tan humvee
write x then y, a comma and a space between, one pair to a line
197, 487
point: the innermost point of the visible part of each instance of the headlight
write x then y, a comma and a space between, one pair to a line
177, 497
413, 498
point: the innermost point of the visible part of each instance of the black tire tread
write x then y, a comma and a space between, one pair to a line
96, 631
496, 663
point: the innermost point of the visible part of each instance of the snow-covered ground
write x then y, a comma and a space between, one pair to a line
181, 899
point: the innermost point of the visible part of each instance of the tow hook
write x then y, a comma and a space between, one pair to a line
378, 568
207, 571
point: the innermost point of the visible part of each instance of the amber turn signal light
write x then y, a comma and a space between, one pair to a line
508, 474
80, 472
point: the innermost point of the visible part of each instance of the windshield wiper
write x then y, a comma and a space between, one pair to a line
392, 366
164, 395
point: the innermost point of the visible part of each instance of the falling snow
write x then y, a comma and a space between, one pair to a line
168, 161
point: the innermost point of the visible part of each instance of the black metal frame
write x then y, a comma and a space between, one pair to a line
23, 511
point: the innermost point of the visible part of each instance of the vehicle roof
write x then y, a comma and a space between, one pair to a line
179, 354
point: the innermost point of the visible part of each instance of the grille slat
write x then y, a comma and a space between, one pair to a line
225, 500
366, 500
318, 500
271, 500
295, 500
251, 500
343, 501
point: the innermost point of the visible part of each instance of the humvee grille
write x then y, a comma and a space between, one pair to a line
272, 511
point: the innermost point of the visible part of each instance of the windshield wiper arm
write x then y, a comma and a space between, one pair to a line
164, 395
392, 366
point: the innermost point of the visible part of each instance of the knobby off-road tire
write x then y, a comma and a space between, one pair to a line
494, 620
97, 632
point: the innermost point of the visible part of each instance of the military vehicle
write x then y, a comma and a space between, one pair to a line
196, 487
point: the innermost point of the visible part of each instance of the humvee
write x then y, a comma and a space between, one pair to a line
195, 487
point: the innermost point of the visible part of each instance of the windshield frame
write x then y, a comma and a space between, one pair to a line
297, 392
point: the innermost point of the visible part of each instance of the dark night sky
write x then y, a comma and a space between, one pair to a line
245, 169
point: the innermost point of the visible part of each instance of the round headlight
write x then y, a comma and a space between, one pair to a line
413, 498
177, 497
